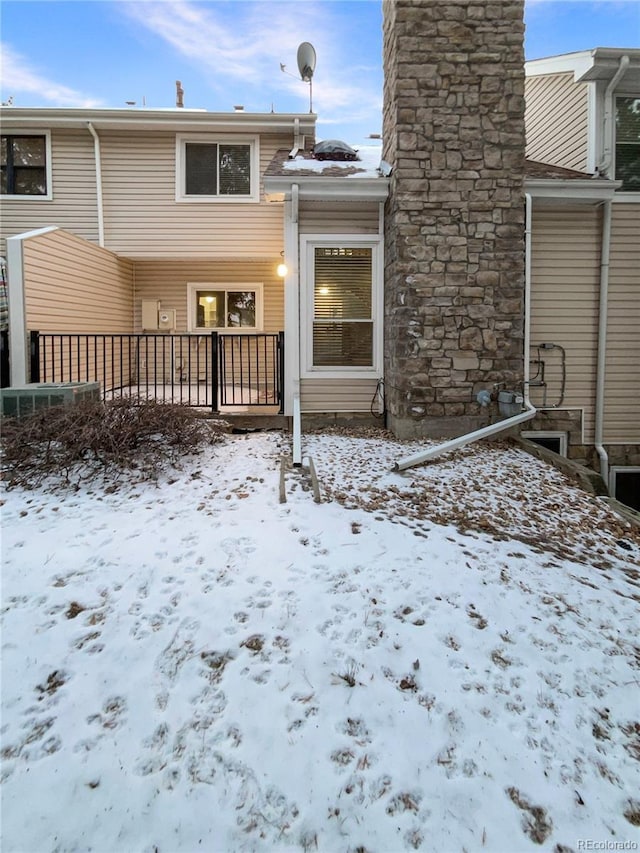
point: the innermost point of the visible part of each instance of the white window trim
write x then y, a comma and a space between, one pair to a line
614, 470
48, 166
194, 286
562, 436
308, 243
217, 138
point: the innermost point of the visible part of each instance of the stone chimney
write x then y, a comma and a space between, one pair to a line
453, 129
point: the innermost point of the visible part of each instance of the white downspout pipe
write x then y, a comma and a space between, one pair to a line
607, 152
292, 321
99, 196
602, 341
500, 426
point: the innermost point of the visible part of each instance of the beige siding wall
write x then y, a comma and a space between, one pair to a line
337, 395
168, 282
338, 217
143, 219
72, 285
556, 120
74, 204
622, 389
564, 310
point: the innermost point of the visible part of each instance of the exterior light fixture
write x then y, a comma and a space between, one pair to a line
282, 267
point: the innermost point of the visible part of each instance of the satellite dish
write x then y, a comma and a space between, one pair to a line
306, 61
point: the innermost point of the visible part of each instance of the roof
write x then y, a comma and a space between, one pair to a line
535, 169
303, 164
555, 184
174, 118
357, 180
601, 63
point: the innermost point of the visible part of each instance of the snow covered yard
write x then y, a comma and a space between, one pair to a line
442, 660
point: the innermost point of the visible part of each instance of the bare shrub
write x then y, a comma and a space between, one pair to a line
68, 445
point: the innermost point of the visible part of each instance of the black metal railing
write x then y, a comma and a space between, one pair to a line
211, 370
5, 373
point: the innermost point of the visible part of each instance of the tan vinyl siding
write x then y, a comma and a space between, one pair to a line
337, 395
74, 204
72, 285
143, 219
564, 311
338, 217
556, 120
168, 283
622, 388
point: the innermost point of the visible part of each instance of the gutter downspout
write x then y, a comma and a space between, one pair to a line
100, 200
602, 340
530, 411
607, 153
292, 324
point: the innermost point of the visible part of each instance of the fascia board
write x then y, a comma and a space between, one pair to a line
327, 189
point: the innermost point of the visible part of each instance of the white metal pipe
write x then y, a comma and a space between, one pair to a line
528, 219
530, 411
602, 340
297, 432
99, 197
18, 342
455, 443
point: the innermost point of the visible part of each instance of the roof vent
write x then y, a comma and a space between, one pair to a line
334, 149
239, 108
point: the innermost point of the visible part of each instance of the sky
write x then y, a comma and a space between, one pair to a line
230, 52
442, 659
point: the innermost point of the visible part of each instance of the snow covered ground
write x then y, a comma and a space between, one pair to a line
445, 659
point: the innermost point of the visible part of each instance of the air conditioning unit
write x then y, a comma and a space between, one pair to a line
26, 399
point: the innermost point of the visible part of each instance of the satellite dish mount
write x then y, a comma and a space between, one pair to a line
306, 67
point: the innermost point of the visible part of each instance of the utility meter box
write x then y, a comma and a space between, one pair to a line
510, 403
167, 319
150, 308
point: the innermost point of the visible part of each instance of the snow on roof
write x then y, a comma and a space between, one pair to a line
365, 167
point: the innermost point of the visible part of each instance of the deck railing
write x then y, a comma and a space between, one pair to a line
212, 370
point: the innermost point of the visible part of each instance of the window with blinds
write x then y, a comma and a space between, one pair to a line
342, 308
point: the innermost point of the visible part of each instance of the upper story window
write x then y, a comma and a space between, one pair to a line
628, 143
25, 165
217, 169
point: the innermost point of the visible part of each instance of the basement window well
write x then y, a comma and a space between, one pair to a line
624, 485
555, 441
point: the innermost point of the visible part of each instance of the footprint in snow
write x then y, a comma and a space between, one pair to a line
179, 650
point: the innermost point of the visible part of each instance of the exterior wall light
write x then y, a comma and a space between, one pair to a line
282, 267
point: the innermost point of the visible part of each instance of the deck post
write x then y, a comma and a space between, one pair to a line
34, 356
280, 351
215, 375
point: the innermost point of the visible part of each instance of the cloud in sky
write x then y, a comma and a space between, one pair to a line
19, 76
245, 43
